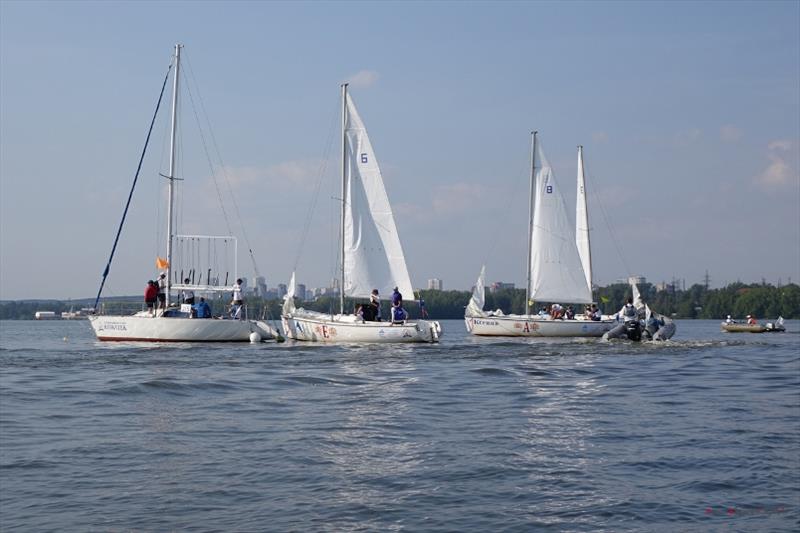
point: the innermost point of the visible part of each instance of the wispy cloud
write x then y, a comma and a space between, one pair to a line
779, 172
458, 197
730, 133
684, 138
288, 174
363, 79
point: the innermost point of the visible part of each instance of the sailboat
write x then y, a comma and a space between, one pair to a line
371, 254
559, 264
173, 323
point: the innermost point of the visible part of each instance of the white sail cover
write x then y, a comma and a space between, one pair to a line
475, 306
373, 256
288, 300
582, 223
556, 271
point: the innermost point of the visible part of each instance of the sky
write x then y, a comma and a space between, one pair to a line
689, 114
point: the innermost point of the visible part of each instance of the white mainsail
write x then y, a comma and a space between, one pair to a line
582, 223
475, 306
373, 255
557, 274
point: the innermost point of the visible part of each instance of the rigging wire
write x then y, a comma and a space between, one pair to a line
206, 151
133, 187
222, 169
522, 174
321, 171
610, 228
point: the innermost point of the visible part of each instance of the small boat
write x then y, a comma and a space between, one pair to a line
735, 327
371, 254
559, 264
176, 324
648, 325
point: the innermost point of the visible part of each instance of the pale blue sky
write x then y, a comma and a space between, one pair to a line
689, 114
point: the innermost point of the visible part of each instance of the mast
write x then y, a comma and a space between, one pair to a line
530, 222
582, 222
344, 191
171, 177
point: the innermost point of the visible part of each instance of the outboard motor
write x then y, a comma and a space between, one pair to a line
633, 329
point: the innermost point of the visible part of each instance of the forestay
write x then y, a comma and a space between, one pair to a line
556, 271
373, 256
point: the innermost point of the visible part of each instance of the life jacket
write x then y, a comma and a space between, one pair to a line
150, 292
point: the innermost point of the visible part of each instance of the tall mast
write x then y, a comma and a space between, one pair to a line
171, 176
344, 191
530, 222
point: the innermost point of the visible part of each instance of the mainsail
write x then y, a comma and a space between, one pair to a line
556, 271
373, 256
582, 223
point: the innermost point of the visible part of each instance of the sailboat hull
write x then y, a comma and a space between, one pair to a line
534, 326
339, 329
173, 329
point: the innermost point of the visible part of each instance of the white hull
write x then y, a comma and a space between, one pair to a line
535, 326
318, 327
145, 327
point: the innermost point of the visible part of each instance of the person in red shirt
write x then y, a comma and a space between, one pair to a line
150, 295
751, 320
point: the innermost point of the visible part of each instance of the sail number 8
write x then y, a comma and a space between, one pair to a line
549, 189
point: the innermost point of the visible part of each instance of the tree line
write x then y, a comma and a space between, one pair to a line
764, 301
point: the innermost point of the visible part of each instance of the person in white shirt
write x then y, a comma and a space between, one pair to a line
237, 302
188, 294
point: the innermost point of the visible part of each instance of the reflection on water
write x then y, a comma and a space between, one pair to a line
470, 434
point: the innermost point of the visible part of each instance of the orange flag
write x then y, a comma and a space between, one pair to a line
161, 263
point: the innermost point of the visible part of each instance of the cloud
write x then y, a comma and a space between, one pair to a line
600, 136
779, 172
457, 198
363, 79
730, 133
684, 138
288, 174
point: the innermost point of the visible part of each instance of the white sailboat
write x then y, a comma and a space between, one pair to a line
176, 324
559, 264
371, 254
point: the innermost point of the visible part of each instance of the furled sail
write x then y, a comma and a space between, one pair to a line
475, 306
288, 300
582, 223
373, 256
556, 271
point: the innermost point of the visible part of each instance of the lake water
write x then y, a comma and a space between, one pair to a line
701, 433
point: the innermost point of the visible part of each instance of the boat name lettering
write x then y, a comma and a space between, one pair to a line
482, 322
116, 326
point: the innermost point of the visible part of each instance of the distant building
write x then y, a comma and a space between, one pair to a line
260, 286
435, 284
638, 280
282, 289
500, 285
300, 292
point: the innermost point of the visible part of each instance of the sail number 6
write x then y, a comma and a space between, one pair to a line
363, 158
